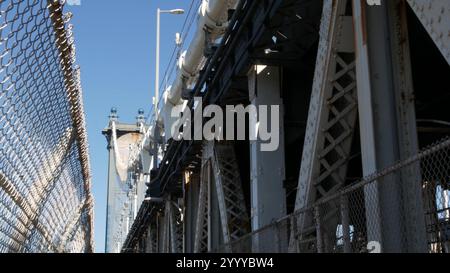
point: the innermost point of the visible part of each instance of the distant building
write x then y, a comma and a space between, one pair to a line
126, 185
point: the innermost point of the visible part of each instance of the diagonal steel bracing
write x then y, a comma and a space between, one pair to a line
219, 162
172, 229
233, 214
331, 120
435, 17
176, 228
201, 226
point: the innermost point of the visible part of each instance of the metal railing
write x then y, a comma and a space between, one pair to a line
45, 198
344, 222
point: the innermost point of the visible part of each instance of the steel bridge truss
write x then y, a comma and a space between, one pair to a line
331, 119
220, 180
360, 65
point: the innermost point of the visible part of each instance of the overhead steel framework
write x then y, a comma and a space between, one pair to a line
363, 163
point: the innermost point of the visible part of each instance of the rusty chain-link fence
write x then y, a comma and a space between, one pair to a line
346, 222
45, 199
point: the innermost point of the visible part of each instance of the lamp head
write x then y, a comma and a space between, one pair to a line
177, 11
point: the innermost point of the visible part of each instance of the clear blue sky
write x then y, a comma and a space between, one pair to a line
115, 43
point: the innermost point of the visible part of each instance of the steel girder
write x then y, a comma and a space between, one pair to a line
176, 228
331, 120
435, 17
329, 139
332, 117
233, 213
219, 164
171, 230
201, 225
394, 207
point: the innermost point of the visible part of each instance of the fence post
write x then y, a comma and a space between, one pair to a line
318, 229
345, 224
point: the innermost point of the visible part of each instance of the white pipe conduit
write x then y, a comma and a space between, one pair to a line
212, 19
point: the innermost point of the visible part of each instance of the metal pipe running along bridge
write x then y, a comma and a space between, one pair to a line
45, 198
364, 158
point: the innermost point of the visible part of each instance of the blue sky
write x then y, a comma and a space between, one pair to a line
115, 43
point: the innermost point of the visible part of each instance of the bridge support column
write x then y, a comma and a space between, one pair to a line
394, 207
191, 201
267, 169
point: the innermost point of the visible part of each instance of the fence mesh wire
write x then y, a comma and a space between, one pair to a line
351, 220
45, 199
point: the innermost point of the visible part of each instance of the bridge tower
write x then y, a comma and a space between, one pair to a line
126, 184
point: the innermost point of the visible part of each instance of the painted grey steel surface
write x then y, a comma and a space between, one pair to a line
393, 138
435, 17
361, 183
266, 168
435, 163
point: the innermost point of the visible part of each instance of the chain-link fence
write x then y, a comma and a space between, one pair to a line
403, 208
45, 200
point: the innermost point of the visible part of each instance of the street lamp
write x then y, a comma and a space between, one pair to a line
158, 22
